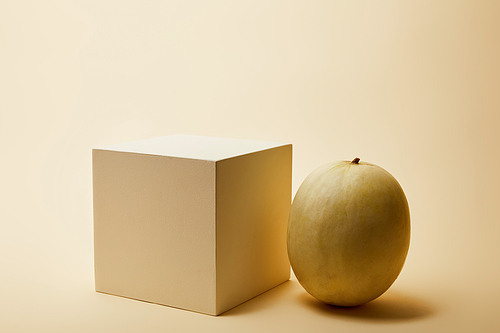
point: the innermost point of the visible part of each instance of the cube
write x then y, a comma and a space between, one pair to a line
191, 222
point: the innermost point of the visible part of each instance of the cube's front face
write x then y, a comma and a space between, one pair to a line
154, 228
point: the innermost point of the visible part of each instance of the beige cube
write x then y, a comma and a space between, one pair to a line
196, 223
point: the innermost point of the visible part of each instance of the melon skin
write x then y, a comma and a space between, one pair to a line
348, 232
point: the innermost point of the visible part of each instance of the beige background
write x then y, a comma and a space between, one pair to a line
413, 86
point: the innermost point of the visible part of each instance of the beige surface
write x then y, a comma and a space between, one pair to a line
409, 85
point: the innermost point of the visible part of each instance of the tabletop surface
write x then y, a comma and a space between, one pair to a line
412, 86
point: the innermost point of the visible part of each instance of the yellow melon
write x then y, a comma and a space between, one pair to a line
348, 232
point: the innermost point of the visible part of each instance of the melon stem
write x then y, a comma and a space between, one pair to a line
355, 161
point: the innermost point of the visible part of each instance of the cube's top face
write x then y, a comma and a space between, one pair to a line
194, 147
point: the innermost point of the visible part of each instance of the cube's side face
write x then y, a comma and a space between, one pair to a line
154, 229
253, 204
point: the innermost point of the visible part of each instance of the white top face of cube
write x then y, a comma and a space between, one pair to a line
193, 147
